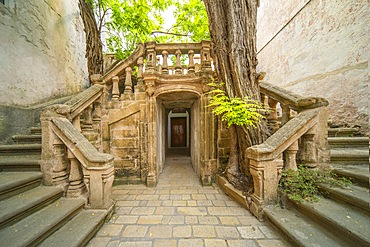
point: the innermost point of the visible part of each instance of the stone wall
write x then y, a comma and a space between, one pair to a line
319, 48
42, 52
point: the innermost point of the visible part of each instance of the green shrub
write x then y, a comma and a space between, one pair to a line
303, 184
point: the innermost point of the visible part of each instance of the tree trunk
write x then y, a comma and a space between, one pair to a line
94, 51
232, 26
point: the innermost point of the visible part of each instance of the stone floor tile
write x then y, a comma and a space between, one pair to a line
175, 197
127, 203
179, 203
99, 242
249, 220
186, 197
164, 197
160, 232
215, 243
250, 232
190, 243
191, 203
134, 231
165, 210
204, 231
165, 243
226, 211
143, 203
147, 197
127, 219
123, 210
204, 203
231, 204
229, 220
154, 203
114, 243
136, 244
182, 231
208, 220
162, 192
167, 203
192, 210
190, 220
198, 197
211, 196
227, 232
272, 243
242, 243
150, 220
218, 203
177, 220
142, 210
110, 230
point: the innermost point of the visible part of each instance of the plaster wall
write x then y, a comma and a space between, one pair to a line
319, 48
42, 52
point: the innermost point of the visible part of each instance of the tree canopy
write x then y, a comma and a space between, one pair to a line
124, 23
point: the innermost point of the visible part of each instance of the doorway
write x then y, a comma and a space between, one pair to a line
178, 132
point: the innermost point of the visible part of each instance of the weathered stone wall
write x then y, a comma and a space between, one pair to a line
319, 48
42, 52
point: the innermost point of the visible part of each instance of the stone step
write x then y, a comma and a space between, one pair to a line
20, 163
23, 139
348, 142
36, 130
20, 149
345, 221
13, 183
78, 231
300, 230
337, 132
359, 174
349, 156
354, 195
37, 227
22, 205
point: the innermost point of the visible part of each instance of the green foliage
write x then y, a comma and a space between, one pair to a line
303, 184
125, 23
236, 111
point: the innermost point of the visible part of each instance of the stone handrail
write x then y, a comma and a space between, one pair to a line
302, 138
68, 157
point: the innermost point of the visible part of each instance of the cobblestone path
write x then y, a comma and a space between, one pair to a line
179, 212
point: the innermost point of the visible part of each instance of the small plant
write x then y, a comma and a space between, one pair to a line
304, 184
236, 110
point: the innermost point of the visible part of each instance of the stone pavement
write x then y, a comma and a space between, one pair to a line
179, 212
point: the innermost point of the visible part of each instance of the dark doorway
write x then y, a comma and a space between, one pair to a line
178, 132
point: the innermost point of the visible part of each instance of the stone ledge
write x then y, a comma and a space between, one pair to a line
234, 193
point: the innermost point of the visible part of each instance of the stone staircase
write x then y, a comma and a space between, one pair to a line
35, 215
342, 218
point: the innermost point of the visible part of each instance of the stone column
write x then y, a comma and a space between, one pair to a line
165, 63
290, 157
115, 88
191, 66
178, 67
272, 119
76, 185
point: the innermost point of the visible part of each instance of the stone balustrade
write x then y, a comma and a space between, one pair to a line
68, 157
301, 138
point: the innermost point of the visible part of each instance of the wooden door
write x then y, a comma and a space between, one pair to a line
178, 132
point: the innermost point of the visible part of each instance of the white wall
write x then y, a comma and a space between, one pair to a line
319, 48
42, 51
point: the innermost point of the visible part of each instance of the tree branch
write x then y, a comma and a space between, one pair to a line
176, 34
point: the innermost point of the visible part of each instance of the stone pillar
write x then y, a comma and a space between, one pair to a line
165, 63
178, 67
290, 157
206, 55
76, 185
272, 119
140, 80
151, 57
151, 180
60, 166
115, 88
285, 114
191, 66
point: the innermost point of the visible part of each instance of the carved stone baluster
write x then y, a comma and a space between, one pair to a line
285, 114
76, 185
140, 80
165, 63
88, 121
60, 166
178, 68
272, 119
115, 89
77, 122
191, 67
97, 114
290, 157
308, 149
128, 82
206, 55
